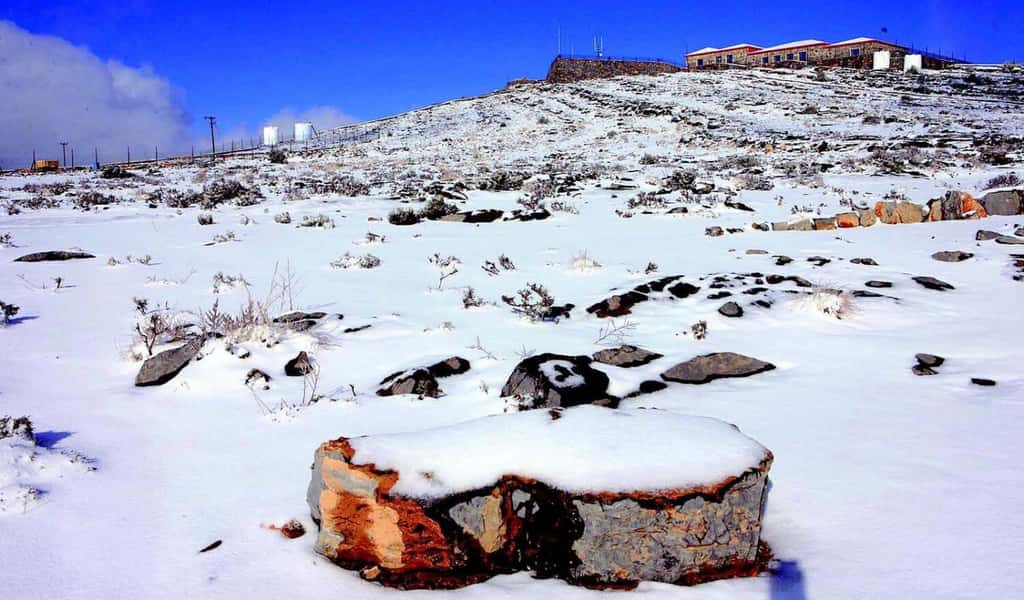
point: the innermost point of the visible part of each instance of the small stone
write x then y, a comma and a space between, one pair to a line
929, 360
984, 235
1010, 240
161, 368
864, 261
706, 368
922, 370
933, 284
730, 309
293, 529
298, 366
874, 283
714, 231
952, 256
781, 260
756, 251
625, 356
819, 261
982, 382
53, 255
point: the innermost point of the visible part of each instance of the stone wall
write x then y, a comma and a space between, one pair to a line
568, 70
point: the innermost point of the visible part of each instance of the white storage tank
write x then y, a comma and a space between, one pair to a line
882, 59
912, 62
270, 136
303, 132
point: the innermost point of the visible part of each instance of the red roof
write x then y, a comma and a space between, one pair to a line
861, 40
792, 46
717, 50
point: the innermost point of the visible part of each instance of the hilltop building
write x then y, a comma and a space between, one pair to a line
857, 53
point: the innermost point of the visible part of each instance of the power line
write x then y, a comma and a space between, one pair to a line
213, 142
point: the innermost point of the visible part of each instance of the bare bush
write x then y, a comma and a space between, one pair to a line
470, 299
647, 200
7, 311
1002, 181
504, 264
437, 208
277, 156
751, 181
319, 221
283, 218
204, 219
533, 302
447, 265
503, 181
88, 200
403, 216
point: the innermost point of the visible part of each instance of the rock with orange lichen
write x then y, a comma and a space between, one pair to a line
420, 527
847, 220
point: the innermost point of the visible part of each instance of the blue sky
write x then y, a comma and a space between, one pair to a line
369, 59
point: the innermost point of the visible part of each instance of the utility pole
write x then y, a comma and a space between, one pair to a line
72, 158
96, 156
213, 143
64, 150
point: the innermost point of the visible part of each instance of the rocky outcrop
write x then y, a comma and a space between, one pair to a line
163, 367
556, 380
53, 255
933, 284
567, 70
1003, 203
685, 530
719, 365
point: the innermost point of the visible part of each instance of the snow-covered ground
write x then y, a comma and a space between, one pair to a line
884, 485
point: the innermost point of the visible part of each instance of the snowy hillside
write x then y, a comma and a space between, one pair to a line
885, 483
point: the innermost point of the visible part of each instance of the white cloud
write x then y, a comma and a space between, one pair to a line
53, 91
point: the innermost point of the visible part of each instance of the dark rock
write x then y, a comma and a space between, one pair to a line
933, 284
625, 356
719, 295
255, 376
929, 360
487, 215
952, 256
782, 261
878, 284
618, 305
162, 367
864, 261
819, 261
683, 290
730, 309
714, 231
529, 215
53, 255
923, 370
413, 381
298, 366
295, 316
984, 235
734, 204
982, 382
718, 365
865, 294
554, 380
456, 365
647, 387
756, 251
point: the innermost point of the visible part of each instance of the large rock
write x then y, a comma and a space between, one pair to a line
1004, 203
933, 284
952, 256
718, 365
53, 255
163, 367
555, 380
660, 497
955, 206
899, 212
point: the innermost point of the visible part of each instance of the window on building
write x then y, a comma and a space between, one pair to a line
700, 62
855, 52
789, 56
778, 58
764, 60
728, 59
803, 57
718, 60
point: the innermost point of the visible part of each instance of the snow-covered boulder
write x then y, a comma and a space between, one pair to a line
422, 381
594, 496
555, 380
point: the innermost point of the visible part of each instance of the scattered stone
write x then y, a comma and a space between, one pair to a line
734, 204
982, 382
1010, 240
864, 261
781, 260
455, 365
212, 546
874, 283
819, 261
418, 382
163, 367
933, 284
255, 376
865, 294
922, 370
400, 529
298, 366
293, 529
929, 360
730, 309
53, 255
706, 368
719, 295
626, 356
984, 235
952, 256
554, 380
756, 251
714, 231
299, 316
683, 290
487, 215
647, 387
